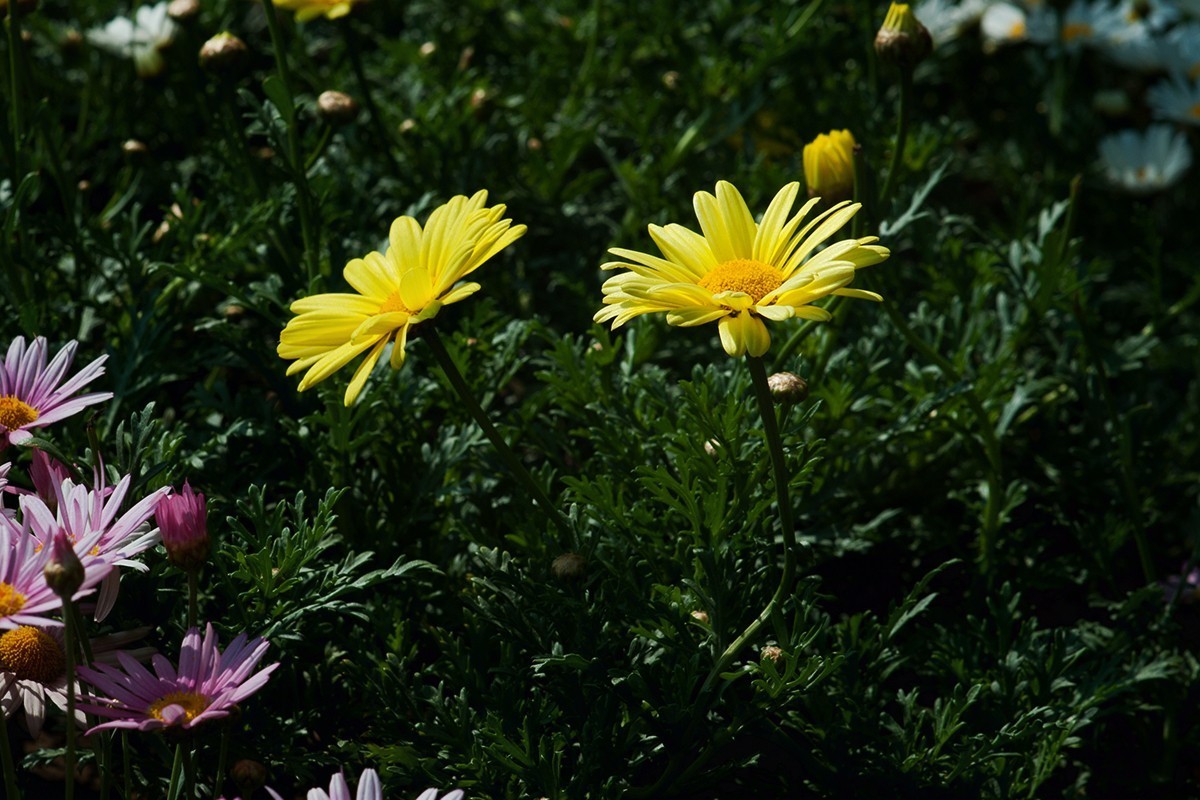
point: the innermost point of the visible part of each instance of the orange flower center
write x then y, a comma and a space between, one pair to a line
11, 601
1017, 30
394, 303
14, 413
192, 704
32, 654
743, 275
1075, 30
1195, 111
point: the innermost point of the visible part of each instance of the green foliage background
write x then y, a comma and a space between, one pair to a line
1044, 373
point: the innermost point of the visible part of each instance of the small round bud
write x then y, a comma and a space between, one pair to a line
465, 57
427, 49
134, 148
772, 653
64, 571
183, 9
72, 40
700, 616
84, 185
534, 144
479, 98
712, 448
670, 79
787, 388
336, 108
407, 125
568, 567
903, 40
249, 776
225, 55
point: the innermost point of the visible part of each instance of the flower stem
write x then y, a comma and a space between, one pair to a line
308, 232
762, 393
127, 762
69, 635
222, 756
193, 603
506, 454
176, 769
906, 82
10, 770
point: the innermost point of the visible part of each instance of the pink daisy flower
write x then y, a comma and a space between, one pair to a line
83, 512
25, 597
183, 521
207, 685
30, 394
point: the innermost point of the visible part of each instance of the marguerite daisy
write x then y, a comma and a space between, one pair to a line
408, 285
30, 392
739, 273
1176, 98
311, 9
1145, 162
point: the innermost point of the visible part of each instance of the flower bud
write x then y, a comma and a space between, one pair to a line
134, 148
63, 570
249, 776
700, 616
787, 388
903, 40
829, 166
183, 522
48, 474
568, 567
183, 9
772, 653
224, 55
336, 108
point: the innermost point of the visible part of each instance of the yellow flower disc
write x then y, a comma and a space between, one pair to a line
15, 413
32, 654
193, 705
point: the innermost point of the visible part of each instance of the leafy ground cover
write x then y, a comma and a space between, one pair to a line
960, 566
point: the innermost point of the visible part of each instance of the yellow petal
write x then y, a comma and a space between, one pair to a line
768, 239
363, 372
739, 223
372, 276
684, 247
743, 334
379, 324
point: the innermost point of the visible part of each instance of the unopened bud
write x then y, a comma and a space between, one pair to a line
336, 108
249, 776
670, 79
63, 570
772, 653
183, 522
700, 616
829, 166
712, 448
183, 9
134, 148
568, 567
225, 55
427, 49
787, 388
902, 40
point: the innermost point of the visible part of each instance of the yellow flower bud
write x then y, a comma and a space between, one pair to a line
903, 40
829, 166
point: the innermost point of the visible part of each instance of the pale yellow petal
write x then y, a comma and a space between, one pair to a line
398, 353
713, 223
688, 317
333, 361
336, 303
775, 313
405, 240
363, 372
830, 224
739, 223
461, 292
378, 324
371, 276
768, 239
743, 334
861, 294
684, 247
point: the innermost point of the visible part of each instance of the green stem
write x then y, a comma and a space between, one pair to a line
766, 408
308, 232
222, 755
176, 769
69, 635
106, 770
991, 444
353, 46
193, 602
10, 770
906, 83
127, 762
13, 24
502, 449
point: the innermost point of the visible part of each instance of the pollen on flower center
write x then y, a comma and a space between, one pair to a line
743, 275
1075, 30
1017, 30
32, 654
11, 601
15, 413
191, 704
394, 303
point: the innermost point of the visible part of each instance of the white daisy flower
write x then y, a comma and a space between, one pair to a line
1004, 23
1156, 14
1089, 23
947, 20
1176, 98
1180, 50
143, 38
1134, 46
1148, 162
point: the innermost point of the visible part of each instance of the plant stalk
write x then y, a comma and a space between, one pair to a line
446, 362
69, 636
906, 84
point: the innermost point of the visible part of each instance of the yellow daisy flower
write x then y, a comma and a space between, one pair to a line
404, 287
739, 273
311, 9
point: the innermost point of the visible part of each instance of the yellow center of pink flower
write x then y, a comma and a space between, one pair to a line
11, 601
192, 704
32, 654
743, 275
1194, 113
394, 303
15, 413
